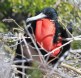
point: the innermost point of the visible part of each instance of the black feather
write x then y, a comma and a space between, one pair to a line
57, 33
50, 13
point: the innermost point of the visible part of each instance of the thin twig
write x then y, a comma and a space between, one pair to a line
71, 67
41, 56
12, 20
28, 67
23, 70
70, 40
58, 62
66, 28
58, 48
28, 50
20, 72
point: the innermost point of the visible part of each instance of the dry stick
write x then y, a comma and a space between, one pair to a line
55, 66
63, 75
28, 67
58, 48
13, 75
23, 70
75, 51
20, 55
20, 72
20, 61
56, 57
70, 40
41, 56
12, 20
75, 38
71, 67
27, 47
58, 62
78, 36
53, 59
60, 58
17, 29
59, 73
65, 27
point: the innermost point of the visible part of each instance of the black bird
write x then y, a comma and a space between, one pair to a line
46, 13
51, 14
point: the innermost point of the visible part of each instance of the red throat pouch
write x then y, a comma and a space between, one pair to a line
44, 33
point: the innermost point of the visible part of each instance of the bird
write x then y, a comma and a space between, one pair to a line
47, 16
51, 13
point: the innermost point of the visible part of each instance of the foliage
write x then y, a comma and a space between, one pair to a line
35, 73
2, 27
30, 6
76, 44
5, 7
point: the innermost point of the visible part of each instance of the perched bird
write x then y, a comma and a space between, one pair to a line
59, 33
49, 34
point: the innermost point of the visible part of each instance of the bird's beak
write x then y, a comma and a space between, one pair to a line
41, 15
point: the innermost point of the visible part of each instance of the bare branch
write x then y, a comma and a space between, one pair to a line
71, 67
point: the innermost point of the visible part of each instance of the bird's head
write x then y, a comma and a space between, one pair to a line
45, 13
50, 13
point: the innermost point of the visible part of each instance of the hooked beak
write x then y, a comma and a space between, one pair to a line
41, 15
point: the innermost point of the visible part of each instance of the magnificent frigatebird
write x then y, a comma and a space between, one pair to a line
51, 14
48, 13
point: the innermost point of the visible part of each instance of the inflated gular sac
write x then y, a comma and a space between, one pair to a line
45, 31
48, 35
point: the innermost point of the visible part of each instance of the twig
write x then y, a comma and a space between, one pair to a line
65, 27
75, 51
40, 55
57, 48
26, 67
17, 29
29, 52
20, 72
58, 62
23, 70
12, 20
31, 68
23, 60
70, 40
71, 67
9, 50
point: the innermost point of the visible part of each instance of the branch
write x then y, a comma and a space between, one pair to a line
12, 20
27, 47
69, 41
60, 20
40, 55
71, 67
75, 51
57, 48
